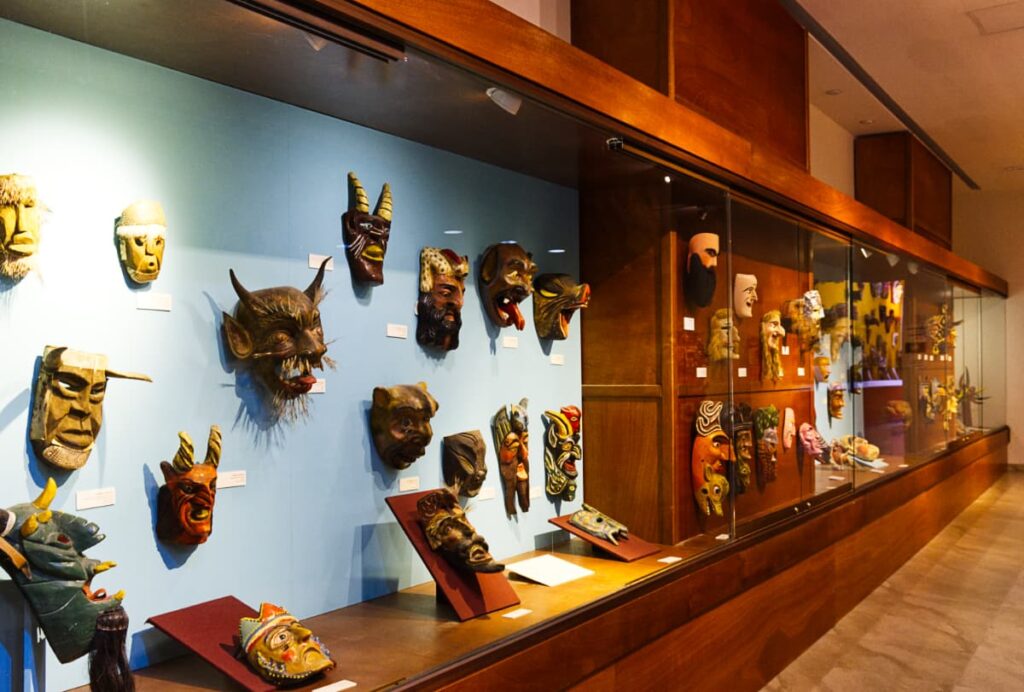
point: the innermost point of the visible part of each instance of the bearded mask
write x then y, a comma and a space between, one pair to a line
512, 441
449, 533
771, 346
400, 423
67, 411
738, 423
442, 293
744, 295
556, 297
766, 423
276, 333
19, 226
365, 234
599, 524
723, 337
506, 280
836, 402
813, 444
185, 504
42, 552
280, 649
562, 452
822, 369
464, 462
141, 236
701, 260
712, 449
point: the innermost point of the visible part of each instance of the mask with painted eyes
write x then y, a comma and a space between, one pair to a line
744, 295
822, 369
712, 451
506, 280
400, 423
67, 410
276, 334
771, 345
442, 293
738, 423
723, 337
366, 235
812, 444
701, 260
512, 441
562, 453
449, 533
788, 428
836, 402
556, 298
766, 433
141, 237
464, 462
280, 649
185, 504
599, 524
19, 226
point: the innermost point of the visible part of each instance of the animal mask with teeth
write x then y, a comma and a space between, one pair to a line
185, 504
506, 280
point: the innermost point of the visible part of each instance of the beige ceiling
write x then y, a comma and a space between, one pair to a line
955, 66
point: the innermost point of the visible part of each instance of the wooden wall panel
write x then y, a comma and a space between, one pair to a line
932, 195
743, 63
632, 37
882, 174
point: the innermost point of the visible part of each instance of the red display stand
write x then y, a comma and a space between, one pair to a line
470, 594
627, 550
211, 630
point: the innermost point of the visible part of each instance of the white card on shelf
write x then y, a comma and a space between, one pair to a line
517, 613
722, 537
510, 341
741, 372
486, 494
336, 686
557, 359
548, 570
800, 372
903, 466
319, 387
785, 350
689, 324
316, 260
670, 560
536, 491
148, 300
100, 497
231, 479
398, 331
702, 372
837, 479
408, 484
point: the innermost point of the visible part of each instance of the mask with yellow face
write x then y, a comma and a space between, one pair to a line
280, 649
19, 226
141, 236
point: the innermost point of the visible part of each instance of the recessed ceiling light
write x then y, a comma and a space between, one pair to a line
866, 121
833, 92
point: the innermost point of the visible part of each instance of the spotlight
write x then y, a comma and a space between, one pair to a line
510, 103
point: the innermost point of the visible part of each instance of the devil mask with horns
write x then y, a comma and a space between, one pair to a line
277, 333
42, 551
365, 234
562, 452
185, 504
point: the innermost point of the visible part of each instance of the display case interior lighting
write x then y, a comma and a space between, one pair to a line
893, 260
453, 232
912, 267
867, 253
510, 103
557, 251
668, 179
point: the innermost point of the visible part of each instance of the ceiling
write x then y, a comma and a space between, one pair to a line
955, 66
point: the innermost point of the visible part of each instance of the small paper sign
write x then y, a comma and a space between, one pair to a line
100, 497
536, 491
517, 613
409, 484
510, 341
398, 331
319, 387
688, 324
671, 559
549, 570
741, 372
557, 359
231, 479
486, 494
159, 302
702, 373
722, 537
800, 372
785, 350
316, 260
336, 686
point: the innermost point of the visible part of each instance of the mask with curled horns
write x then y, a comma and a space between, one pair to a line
276, 333
185, 504
365, 234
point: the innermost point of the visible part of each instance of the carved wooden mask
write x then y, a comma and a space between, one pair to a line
562, 452
512, 442
280, 649
449, 533
19, 225
506, 280
365, 234
141, 237
712, 450
464, 462
400, 423
556, 298
442, 294
185, 503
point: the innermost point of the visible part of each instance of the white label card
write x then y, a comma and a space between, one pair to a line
837, 479
316, 260
557, 359
336, 686
549, 570
159, 302
785, 350
722, 537
517, 613
800, 372
398, 331
702, 373
689, 324
100, 497
510, 341
486, 494
536, 491
741, 372
319, 387
231, 479
408, 484
671, 559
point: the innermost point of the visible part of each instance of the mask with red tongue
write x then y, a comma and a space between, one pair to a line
506, 280
276, 334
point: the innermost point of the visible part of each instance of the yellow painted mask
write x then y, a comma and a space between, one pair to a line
280, 649
141, 236
19, 225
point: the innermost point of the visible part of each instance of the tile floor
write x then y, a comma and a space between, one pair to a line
952, 618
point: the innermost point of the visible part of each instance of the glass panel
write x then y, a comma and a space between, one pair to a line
993, 361
967, 376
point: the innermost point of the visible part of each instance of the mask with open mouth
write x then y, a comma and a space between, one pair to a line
772, 334
280, 649
185, 504
141, 236
562, 452
712, 450
276, 332
442, 293
365, 234
506, 280
400, 422
556, 298
813, 445
737, 420
449, 532
42, 551
512, 442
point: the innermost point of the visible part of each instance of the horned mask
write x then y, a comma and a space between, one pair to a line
365, 234
185, 503
67, 410
562, 452
276, 333
442, 294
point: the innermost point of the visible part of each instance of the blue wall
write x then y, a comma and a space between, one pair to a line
254, 185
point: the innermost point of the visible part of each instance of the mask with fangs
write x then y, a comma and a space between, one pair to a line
506, 280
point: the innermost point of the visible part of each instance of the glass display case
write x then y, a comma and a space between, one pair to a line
693, 361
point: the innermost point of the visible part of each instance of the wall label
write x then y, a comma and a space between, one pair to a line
158, 302
231, 479
557, 359
409, 484
398, 331
510, 341
100, 497
316, 260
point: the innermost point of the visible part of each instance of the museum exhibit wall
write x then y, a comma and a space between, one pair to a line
254, 185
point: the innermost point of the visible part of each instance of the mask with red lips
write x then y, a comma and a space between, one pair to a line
562, 452
506, 280
185, 504
276, 333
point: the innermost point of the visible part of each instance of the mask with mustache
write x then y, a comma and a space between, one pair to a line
400, 423
366, 235
562, 453
506, 280
442, 293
